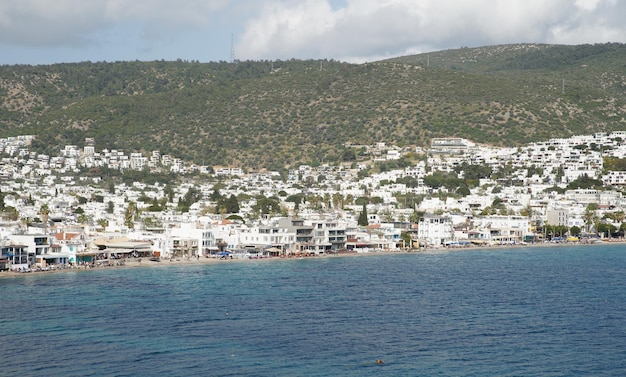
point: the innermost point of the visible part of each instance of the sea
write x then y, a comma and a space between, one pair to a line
519, 311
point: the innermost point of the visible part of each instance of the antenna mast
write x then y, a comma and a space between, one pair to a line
232, 48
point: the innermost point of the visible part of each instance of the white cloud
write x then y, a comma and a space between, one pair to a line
587, 5
381, 28
351, 30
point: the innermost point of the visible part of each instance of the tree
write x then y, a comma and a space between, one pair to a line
415, 217
192, 196
362, 221
295, 198
227, 205
151, 222
463, 191
362, 200
130, 215
348, 155
584, 182
266, 206
617, 216
526, 211
349, 199
168, 191
338, 200
408, 181
44, 212
473, 173
590, 216
406, 239
215, 195
83, 218
440, 179
103, 223
10, 213
315, 201
236, 218
606, 229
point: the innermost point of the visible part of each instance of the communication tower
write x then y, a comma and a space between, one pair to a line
232, 48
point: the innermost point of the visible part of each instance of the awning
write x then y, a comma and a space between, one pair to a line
115, 250
49, 256
478, 242
88, 253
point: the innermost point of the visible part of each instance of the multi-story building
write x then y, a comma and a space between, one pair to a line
557, 217
42, 246
16, 257
435, 230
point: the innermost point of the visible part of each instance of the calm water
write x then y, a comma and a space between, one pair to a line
518, 312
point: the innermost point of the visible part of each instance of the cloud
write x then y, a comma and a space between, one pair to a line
349, 30
37, 22
358, 30
591, 21
76, 22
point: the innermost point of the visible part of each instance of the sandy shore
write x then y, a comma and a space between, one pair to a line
147, 263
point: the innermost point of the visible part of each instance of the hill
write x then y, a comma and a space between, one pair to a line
280, 113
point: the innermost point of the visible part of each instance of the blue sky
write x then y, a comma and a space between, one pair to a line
59, 31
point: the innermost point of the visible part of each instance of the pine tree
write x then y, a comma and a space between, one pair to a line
362, 221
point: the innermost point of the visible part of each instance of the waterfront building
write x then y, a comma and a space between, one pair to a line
16, 257
557, 217
42, 248
435, 230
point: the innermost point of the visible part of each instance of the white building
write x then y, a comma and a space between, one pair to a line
435, 230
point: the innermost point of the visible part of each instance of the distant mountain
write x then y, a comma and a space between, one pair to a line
280, 113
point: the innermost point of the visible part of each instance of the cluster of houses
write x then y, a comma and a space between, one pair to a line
102, 231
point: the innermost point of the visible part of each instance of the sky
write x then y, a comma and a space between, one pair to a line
63, 31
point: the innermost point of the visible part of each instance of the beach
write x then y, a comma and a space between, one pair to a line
164, 262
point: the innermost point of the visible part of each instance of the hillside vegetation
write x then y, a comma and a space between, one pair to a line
276, 114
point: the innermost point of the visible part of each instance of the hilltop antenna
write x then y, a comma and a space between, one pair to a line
232, 48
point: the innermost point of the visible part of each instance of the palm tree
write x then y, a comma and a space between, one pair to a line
590, 216
130, 215
44, 212
338, 200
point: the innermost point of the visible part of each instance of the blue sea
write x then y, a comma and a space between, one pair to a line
545, 311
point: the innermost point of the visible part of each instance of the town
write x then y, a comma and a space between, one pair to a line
456, 193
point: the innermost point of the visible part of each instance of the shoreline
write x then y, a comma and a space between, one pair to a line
147, 263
